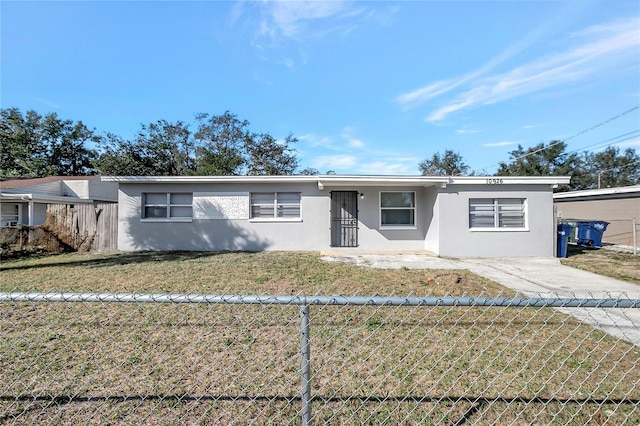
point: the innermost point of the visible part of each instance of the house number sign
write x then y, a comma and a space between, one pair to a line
495, 181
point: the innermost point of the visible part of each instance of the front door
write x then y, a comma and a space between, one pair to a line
344, 219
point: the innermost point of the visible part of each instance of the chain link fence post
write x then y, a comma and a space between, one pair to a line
305, 364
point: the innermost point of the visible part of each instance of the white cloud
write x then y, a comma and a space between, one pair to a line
308, 18
287, 62
314, 140
355, 143
350, 140
607, 46
418, 96
502, 143
432, 90
613, 45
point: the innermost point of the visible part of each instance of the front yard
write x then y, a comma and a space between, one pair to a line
107, 363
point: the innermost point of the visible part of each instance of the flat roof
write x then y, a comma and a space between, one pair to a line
344, 180
598, 192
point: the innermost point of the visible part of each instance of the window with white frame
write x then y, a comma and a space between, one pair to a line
398, 209
10, 214
497, 213
167, 205
275, 205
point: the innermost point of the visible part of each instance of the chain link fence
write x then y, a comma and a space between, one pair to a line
206, 359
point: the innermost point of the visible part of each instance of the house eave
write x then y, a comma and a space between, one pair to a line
328, 181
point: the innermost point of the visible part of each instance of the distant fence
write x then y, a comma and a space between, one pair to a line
78, 358
623, 232
70, 227
86, 227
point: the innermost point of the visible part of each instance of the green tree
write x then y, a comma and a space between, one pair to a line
159, 149
611, 168
22, 150
67, 143
267, 156
448, 164
121, 157
36, 146
167, 147
221, 142
541, 160
226, 146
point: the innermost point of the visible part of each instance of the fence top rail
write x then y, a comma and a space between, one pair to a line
571, 302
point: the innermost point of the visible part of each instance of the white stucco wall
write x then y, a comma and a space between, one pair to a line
432, 239
210, 231
371, 236
310, 233
457, 240
442, 220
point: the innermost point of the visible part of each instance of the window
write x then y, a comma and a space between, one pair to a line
397, 209
497, 213
275, 205
10, 214
167, 206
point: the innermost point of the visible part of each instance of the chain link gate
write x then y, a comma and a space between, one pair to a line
69, 358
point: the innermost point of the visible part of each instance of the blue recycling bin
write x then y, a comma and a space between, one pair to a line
564, 231
590, 233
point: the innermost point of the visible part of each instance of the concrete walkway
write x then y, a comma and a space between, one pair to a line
530, 277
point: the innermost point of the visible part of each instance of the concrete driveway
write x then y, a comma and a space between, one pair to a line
532, 277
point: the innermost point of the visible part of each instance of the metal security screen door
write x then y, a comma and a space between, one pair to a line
344, 219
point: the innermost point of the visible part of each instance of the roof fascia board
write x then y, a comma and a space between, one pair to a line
208, 179
510, 180
349, 180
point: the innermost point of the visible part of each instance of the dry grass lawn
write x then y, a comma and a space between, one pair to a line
100, 363
615, 264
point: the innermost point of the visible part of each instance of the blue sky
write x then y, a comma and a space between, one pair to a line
367, 87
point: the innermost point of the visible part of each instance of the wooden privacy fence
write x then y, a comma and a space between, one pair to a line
84, 227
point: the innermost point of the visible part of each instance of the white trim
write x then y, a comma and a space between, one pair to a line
323, 181
176, 219
526, 229
275, 217
496, 228
167, 205
397, 228
595, 192
403, 226
18, 216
